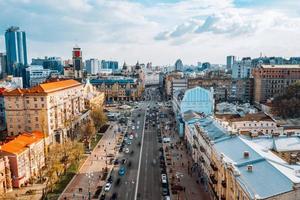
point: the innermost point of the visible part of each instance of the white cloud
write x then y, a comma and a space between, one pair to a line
119, 29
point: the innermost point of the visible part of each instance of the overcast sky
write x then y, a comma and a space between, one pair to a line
160, 31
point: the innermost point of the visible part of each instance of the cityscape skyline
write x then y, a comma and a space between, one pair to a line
159, 31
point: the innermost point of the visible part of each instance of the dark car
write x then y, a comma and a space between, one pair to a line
110, 179
102, 197
116, 162
165, 191
118, 181
114, 196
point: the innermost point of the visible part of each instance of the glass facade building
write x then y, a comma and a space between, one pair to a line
16, 51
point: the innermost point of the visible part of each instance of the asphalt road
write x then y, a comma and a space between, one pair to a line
126, 189
149, 186
149, 181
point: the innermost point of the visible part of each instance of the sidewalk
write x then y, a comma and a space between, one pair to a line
179, 170
88, 179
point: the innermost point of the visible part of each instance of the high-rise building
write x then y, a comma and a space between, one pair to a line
77, 62
113, 65
230, 61
52, 63
178, 65
242, 68
92, 66
3, 65
16, 51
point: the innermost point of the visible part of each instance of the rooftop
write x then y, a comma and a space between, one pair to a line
280, 66
252, 117
21, 142
267, 178
45, 87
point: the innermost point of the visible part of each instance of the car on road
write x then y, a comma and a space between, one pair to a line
131, 137
133, 127
118, 181
102, 197
166, 139
165, 191
107, 187
110, 179
114, 196
122, 171
124, 160
164, 178
116, 162
139, 115
126, 150
128, 142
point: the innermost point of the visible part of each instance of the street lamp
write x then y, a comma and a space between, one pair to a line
89, 175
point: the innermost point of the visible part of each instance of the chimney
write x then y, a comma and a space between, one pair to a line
249, 168
246, 154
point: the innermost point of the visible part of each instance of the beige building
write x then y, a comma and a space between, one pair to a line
5, 176
26, 155
53, 108
92, 97
234, 167
251, 124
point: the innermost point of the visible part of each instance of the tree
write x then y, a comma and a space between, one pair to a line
98, 116
288, 104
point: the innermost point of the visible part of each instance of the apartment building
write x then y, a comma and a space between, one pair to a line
119, 88
252, 124
5, 176
272, 80
26, 155
54, 108
234, 167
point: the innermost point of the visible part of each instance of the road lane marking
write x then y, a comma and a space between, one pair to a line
140, 159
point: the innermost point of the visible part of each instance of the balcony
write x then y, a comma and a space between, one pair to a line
223, 183
213, 179
214, 167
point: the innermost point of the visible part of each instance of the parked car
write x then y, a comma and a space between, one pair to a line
164, 178
110, 179
107, 187
165, 191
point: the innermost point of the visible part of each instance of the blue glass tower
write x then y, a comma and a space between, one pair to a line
16, 51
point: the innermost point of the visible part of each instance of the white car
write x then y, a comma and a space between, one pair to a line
137, 127
164, 178
126, 150
131, 137
133, 127
107, 187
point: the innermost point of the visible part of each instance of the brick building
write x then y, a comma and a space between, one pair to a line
272, 80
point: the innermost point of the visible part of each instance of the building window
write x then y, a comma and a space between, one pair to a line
35, 105
36, 119
42, 98
35, 99
36, 126
27, 101
42, 105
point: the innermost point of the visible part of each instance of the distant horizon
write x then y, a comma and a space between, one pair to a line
157, 31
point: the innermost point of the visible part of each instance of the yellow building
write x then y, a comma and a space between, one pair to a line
92, 97
54, 108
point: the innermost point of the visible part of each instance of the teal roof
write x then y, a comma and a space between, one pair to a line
265, 180
112, 80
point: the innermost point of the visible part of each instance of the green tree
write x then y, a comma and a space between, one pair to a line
288, 104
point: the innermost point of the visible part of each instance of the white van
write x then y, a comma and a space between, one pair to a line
166, 140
